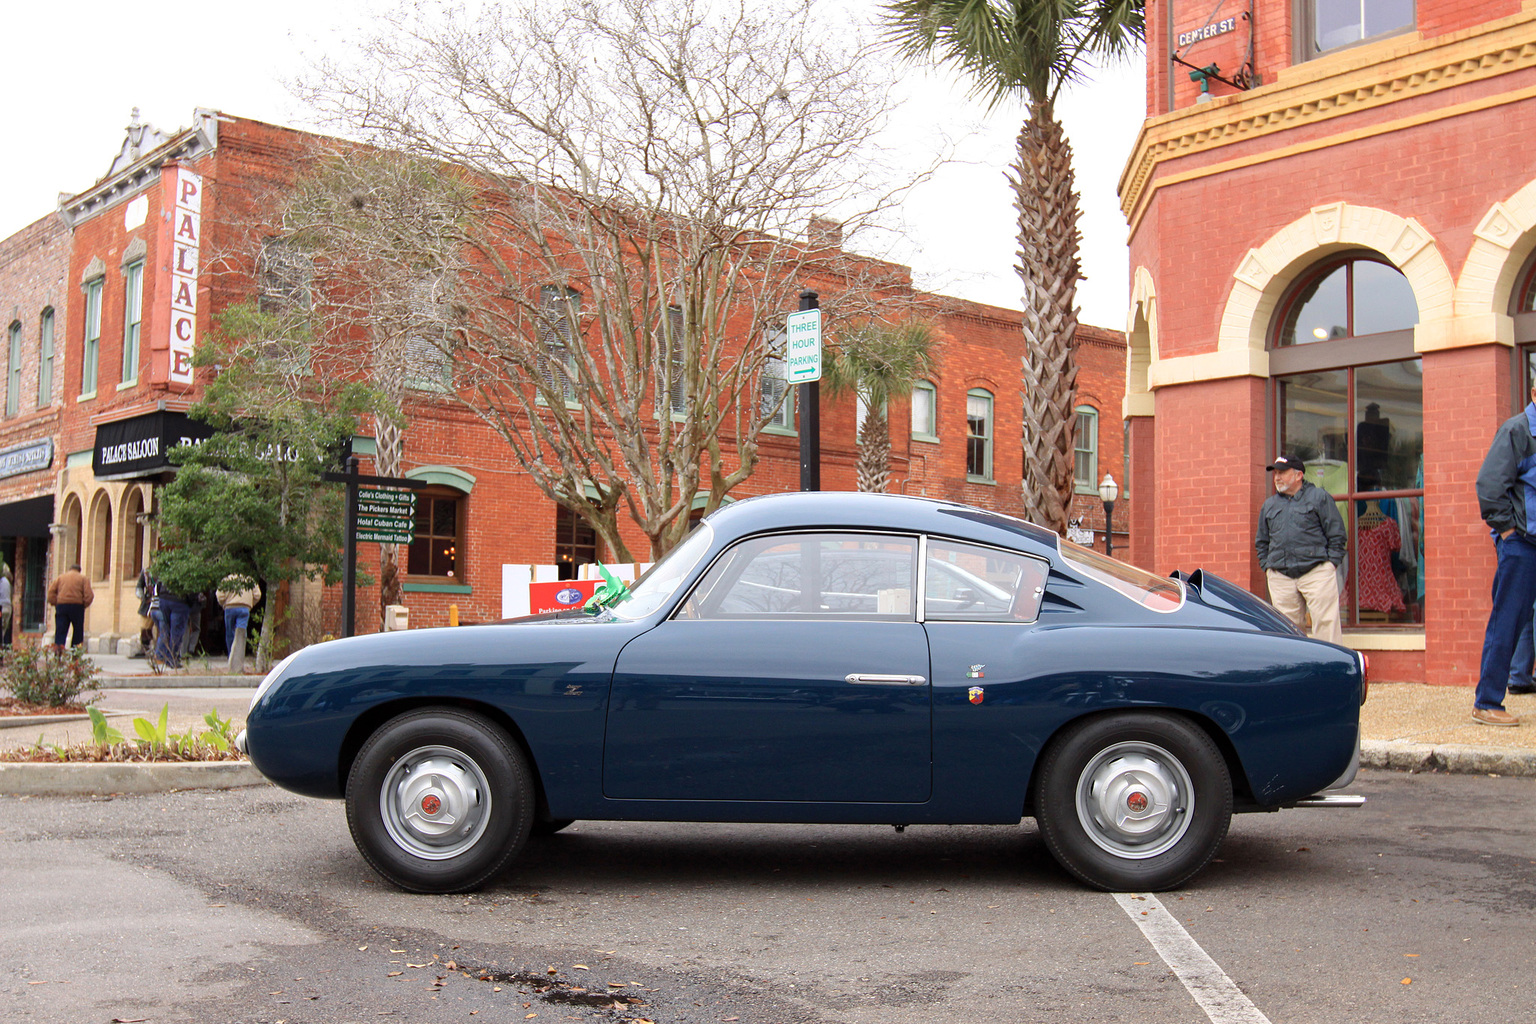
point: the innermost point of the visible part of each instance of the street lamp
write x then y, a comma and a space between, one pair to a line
1108, 492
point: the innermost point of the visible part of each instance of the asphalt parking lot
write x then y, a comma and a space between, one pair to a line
251, 905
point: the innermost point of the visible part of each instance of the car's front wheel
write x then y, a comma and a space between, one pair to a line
1133, 801
439, 801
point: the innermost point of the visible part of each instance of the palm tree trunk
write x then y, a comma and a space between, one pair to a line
1048, 265
874, 463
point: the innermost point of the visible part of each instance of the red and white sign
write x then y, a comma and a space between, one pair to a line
186, 245
560, 596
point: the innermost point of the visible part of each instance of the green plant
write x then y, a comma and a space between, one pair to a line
154, 733
48, 676
101, 732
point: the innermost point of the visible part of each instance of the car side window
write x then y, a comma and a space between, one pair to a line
838, 575
969, 583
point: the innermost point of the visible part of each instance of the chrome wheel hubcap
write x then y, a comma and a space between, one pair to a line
1135, 800
435, 802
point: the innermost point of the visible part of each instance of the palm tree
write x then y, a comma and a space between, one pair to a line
1031, 49
878, 362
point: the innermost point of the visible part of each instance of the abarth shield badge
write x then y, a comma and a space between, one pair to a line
976, 693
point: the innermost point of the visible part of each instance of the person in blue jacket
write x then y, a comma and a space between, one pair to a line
1506, 497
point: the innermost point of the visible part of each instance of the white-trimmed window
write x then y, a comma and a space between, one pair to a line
90, 363
925, 411
133, 317
559, 309
978, 435
776, 396
1085, 450
673, 344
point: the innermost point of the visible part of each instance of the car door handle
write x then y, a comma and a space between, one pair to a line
874, 679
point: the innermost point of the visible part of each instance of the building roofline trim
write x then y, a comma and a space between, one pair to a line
1326, 88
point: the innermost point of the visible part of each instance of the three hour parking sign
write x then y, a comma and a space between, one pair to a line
802, 346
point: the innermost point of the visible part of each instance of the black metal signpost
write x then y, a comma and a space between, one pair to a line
809, 401
387, 519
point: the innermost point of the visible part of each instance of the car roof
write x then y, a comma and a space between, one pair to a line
854, 510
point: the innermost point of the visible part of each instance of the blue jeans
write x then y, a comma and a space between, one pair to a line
174, 615
1514, 593
234, 618
1525, 654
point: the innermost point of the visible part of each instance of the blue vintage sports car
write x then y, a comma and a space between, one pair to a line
831, 657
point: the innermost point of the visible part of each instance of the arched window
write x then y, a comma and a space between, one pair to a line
1348, 399
978, 435
1085, 451
99, 548
45, 359
134, 531
13, 370
925, 411
73, 520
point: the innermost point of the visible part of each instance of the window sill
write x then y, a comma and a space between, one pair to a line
125, 385
86, 396
437, 588
989, 481
926, 438
781, 431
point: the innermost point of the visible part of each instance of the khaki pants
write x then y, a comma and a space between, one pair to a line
1316, 593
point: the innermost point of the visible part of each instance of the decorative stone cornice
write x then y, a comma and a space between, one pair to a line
1363, 78
128, 179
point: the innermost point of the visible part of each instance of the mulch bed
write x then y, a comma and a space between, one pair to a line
114, 753
10, 707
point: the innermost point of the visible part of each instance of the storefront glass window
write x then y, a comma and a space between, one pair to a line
1360, 431
434, 551
1347, 299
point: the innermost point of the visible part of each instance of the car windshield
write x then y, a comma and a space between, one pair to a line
660, 581
1155, 592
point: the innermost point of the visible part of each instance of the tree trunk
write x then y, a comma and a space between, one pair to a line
874, 465
1049, 268
389, 441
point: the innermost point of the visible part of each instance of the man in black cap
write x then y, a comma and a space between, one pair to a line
1301, 543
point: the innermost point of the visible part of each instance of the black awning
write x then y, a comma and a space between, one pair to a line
139, 446
27, 518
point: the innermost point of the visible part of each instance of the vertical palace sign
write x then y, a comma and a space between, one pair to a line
186, 245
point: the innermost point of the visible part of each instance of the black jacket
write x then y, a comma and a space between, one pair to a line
1506, 485
1299, 531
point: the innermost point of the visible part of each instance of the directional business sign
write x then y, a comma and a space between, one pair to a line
802, 347
385, 516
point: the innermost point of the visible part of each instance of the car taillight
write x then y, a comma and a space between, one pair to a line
1365, 675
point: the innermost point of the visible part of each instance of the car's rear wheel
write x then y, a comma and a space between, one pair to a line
439, 801
1133, 801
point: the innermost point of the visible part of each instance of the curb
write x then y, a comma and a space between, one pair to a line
1450, 757
22, 721
98, 779
176, 682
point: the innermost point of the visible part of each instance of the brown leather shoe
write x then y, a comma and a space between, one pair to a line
1493, 716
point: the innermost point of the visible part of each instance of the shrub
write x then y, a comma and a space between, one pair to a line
48, 676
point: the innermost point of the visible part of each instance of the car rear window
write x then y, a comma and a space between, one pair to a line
965, 582
1158, 593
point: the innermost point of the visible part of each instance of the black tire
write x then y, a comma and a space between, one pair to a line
439, 801
1167, 776
550, 827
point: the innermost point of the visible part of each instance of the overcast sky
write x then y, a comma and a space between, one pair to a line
70, 92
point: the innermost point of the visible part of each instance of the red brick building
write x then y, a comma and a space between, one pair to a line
34, 270
1332, 226
143, 261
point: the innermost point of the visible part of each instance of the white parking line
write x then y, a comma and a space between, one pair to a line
1216, 993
